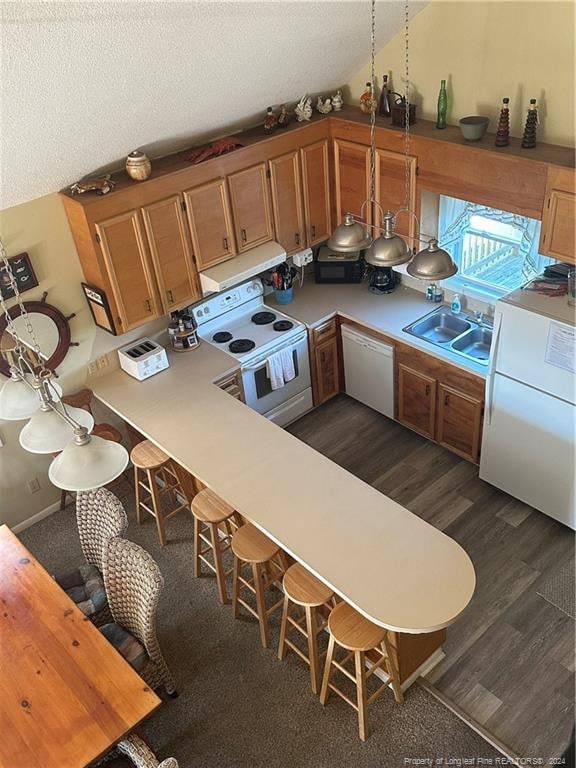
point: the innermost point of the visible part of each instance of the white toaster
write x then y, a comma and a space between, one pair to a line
143, 358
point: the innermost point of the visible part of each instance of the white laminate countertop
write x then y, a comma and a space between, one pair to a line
389, 314
393, 567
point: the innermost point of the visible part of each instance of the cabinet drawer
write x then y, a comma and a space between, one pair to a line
232, 385
324, 331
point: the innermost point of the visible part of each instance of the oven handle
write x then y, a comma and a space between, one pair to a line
292, 343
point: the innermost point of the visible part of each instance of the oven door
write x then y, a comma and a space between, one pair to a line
258, 391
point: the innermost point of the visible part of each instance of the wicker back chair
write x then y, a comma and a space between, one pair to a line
133, 585
139, 754
100, 515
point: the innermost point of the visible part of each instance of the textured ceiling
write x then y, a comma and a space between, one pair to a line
84, 83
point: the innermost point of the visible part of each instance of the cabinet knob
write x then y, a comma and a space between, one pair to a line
225, 243
170, 297
148, 305
313, 230
446, 399
297, 238
243, 235
427, 389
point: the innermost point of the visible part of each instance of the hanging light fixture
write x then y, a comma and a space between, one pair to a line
432, 263
84, 461
390, 249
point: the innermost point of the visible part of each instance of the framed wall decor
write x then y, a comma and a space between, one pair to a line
23, 272
99, 308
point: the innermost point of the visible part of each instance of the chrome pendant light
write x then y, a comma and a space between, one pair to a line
350, 236
432, 263
84, 462
390, 249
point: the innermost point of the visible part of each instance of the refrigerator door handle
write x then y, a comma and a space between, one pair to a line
492, 369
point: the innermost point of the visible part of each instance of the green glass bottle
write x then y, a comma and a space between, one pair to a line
442, 105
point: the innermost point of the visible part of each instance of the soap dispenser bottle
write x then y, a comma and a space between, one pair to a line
456, 305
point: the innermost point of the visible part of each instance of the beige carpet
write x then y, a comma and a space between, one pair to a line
239, 706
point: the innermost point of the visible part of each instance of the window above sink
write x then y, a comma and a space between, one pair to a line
496, 251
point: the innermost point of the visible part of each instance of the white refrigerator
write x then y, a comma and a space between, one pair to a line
530, 415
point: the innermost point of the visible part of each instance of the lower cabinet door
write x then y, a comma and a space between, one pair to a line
326, 370
459, 422
416, 400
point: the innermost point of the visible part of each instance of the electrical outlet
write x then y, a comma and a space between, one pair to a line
302, 258
92, 368
33, 485
102, 362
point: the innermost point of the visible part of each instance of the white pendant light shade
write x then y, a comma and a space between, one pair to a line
83, 467
432, 263
349, 237
19, 401
47, 432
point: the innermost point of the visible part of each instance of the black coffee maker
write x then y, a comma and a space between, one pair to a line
381, 279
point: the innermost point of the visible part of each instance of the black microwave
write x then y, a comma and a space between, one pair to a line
331, 267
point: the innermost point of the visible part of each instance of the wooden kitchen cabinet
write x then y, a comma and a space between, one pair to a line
417, 400
287, 202
459, 422
124, 248
251, 208
557, 236
390, 190
352, 179
210, 221
316, 187
325, 361
171, 253
440, 401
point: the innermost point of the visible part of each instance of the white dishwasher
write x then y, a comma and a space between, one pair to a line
369, 370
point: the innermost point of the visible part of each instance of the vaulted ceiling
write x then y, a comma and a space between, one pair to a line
84, 83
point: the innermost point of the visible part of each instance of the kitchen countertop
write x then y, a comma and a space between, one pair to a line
314, 303
393, 567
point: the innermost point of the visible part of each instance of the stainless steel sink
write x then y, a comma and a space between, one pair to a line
475, 344
440, 327
466, 337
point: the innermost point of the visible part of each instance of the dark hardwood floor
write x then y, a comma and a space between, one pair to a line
510, 657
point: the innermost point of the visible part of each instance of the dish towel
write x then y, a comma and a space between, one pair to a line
280, 368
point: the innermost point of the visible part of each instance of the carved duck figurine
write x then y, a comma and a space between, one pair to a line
323, 106
303, 109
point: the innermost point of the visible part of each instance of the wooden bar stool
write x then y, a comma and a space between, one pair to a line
357, 635
154, 463
251, 547
305, 590
211, 516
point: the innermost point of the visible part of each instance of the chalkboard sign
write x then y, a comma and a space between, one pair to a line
23, 272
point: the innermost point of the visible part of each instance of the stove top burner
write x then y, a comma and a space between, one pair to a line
241, 345
221, 337
263, 318
283, 325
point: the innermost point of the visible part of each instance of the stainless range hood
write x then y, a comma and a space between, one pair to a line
242, 267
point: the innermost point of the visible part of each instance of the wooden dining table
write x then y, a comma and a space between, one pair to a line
66, 695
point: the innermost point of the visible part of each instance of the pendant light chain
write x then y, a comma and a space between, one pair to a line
372, 104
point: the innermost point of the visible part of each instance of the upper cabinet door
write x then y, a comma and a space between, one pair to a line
559, 216
210, 220
316, 185
251, 207
352, 172
287, 201
123, 245
171, 253
390, 190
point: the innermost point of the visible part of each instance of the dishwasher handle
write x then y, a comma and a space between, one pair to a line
367, 342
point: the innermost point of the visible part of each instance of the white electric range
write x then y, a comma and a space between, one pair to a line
239, 323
